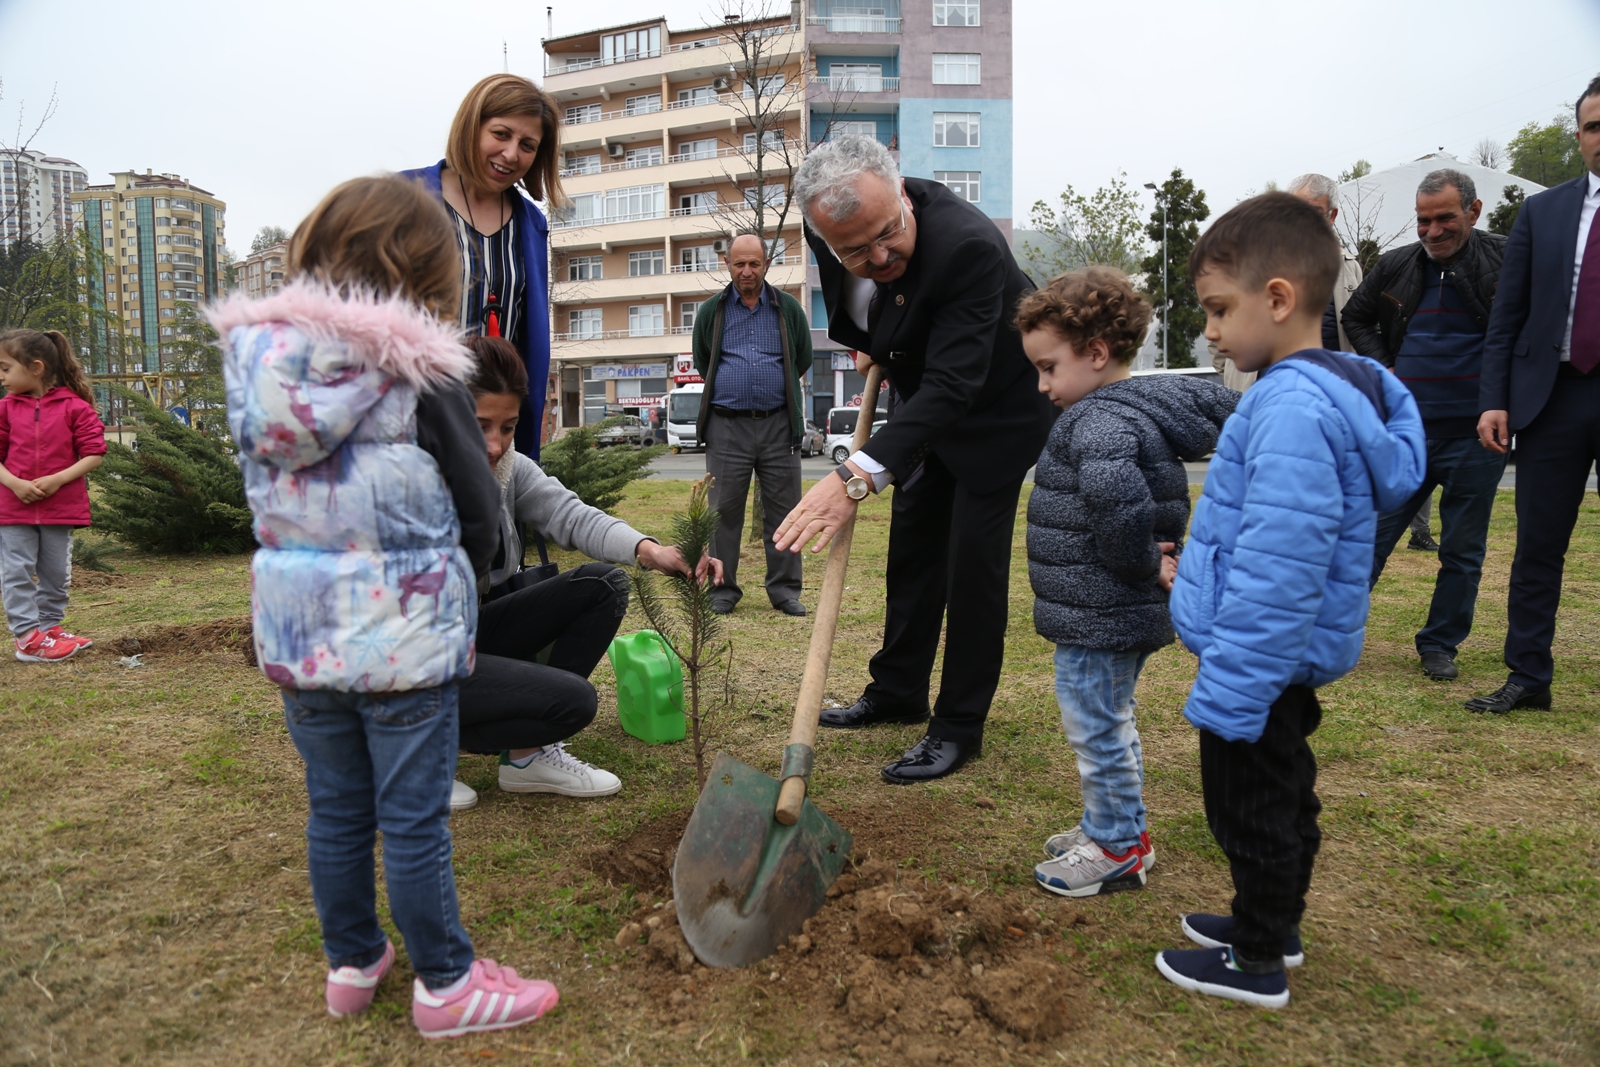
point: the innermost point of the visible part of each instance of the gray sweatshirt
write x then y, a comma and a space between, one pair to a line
529, 495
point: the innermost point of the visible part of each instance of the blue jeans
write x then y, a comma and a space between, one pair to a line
382, 761
1095, 690
1470, 475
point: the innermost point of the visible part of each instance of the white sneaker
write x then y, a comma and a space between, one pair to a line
462, 796
555, 770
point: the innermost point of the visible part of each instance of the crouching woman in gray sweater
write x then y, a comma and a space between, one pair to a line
538, 642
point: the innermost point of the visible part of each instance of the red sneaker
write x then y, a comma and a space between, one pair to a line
39, 648
56, 633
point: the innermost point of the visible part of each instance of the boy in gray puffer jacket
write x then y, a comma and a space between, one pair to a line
1108, 512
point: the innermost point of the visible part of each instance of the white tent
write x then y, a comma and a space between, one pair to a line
1383, 205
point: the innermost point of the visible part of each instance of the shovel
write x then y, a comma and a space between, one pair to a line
757, 857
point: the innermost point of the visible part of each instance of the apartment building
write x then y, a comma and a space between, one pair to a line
35, 195
161, 239
261, 273
662, 154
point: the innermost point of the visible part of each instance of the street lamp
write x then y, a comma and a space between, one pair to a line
1166, 297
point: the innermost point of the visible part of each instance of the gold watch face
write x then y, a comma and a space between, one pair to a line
856, 488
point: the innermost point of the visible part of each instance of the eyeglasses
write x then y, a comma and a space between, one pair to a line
851, 258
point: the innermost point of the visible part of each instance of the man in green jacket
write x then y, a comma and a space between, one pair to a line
752, 345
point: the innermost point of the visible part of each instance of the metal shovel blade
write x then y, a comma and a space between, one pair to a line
744, 883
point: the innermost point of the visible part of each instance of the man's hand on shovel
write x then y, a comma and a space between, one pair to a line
820, 514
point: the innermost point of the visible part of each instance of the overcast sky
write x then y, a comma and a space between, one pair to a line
267, 105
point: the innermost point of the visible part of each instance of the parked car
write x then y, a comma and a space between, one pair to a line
812, 441
628, 430
841, 427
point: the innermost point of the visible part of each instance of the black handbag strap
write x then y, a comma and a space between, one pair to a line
538, 543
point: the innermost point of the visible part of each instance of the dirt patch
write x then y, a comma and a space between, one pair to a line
221, 635
644, 860
893, 965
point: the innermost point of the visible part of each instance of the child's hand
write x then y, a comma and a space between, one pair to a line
1169, 564
47, 485
28, 492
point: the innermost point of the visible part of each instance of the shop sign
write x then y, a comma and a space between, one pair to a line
620, 371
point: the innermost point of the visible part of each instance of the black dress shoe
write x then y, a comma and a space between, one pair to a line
1509, 696
864, 713
722, 607
933, 757
791, 607
1439, 666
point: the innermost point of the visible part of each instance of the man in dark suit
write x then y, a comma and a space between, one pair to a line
1541, 382
922, 283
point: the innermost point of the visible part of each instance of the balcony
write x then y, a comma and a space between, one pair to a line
859, 83
734, 161
708, 56
855, 23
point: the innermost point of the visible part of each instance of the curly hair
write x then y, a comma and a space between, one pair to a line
1082, 305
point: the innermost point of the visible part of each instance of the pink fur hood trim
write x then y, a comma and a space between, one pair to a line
388, 334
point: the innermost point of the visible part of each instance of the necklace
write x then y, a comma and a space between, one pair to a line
491, 311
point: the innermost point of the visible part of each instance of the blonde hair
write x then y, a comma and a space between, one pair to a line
384, 234
508, 94
51, 348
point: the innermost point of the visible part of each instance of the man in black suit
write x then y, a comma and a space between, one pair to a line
1541, 382
922, 283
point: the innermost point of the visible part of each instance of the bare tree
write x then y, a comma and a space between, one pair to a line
18, 149
1489, 153
1359, 207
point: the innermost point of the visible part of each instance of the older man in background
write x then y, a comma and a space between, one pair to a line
1423, 311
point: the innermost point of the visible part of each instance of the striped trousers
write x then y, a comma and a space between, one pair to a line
1261, 803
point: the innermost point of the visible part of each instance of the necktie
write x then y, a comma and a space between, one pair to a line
1586, 306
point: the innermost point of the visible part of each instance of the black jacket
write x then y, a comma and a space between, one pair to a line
1376, 317
945, 338
1110, 485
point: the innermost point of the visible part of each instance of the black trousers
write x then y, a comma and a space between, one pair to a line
949, 568
513, 701
1261, 802
1554, 455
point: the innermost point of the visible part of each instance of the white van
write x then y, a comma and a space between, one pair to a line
683, 412
841, 428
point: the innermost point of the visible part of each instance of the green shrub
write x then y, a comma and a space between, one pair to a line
175, 490
597, 475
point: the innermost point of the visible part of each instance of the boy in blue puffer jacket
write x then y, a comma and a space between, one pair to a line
1272, 591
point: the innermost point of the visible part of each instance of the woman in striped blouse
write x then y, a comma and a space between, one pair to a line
506, 133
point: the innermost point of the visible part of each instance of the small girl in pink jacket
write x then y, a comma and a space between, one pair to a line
50, 437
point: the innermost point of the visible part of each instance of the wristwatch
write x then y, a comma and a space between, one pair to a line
855, 486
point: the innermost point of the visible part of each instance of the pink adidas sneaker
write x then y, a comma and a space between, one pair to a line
351, 989
492, 998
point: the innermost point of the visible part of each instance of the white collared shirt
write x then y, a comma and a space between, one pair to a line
1585, 220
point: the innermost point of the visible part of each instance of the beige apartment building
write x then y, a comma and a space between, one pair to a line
261, 273
661, 156
162, 241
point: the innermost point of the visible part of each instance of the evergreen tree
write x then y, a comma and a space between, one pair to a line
175, 490
1502, 218
597, 475
1177, 304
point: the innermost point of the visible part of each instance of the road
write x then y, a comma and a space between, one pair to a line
691, 465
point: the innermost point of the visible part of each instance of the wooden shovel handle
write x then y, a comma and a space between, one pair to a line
808, 707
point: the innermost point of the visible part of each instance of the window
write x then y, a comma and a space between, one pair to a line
700, 94
955, 129
161, 202
585, 206
964, 183
585, 268
583, 113
166, 313
634, 44
584, 324
706, 148
855, 77
698, 203
166, 331
956, 68
643, 157
646, 320
166, 294
778, 251
696, 259
955, 13
583, 164
771, 195
644, 104
163, 257
643, 264
106, 206
770, 84
635, 202
165, 276
771, 139
854, 128
687, 310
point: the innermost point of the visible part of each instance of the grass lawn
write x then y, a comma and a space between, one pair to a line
154, 906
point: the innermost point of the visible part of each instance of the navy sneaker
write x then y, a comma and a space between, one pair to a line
1216, 931
1212, 971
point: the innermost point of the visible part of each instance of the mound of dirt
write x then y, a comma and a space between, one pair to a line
219, 635
893, 965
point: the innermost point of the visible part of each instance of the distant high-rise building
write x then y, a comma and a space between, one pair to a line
660, 162
35, 195
162, 242
261, 273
